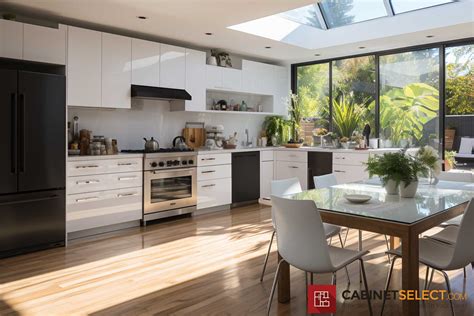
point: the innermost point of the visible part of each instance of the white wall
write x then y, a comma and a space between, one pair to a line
149, 118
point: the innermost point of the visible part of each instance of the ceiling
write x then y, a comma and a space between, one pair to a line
185, 22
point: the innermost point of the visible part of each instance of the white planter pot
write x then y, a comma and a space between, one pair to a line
408, 191
391, 187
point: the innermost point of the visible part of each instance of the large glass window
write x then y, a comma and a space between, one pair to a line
353, 95
313, 93
409, 98
400, 6
344, 12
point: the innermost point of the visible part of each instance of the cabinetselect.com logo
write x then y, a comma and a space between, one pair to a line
321, 299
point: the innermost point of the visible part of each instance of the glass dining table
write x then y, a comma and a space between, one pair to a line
401, 218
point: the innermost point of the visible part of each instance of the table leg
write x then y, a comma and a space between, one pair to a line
410, 272
283, 282
394, 242
359, 247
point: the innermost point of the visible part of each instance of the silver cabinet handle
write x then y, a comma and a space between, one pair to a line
126, 194
126, 163
204, 159
208, 171
208, 185
126, 178
87, 199
87, 182
339, 171
293, 167
87, 166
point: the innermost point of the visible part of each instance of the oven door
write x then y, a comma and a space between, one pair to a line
169, 189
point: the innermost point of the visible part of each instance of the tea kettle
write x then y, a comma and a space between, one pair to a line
151, 145
179, 143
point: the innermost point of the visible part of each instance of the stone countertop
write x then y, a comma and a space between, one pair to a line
104, 157
303, 149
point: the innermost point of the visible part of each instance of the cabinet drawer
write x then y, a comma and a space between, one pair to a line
294, 156
266, 155
92, 210
90, 167
349, 158
103, 182
287, 169
214, 159
214, 172
212, 193
349, 173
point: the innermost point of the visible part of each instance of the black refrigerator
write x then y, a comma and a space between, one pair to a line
32, 161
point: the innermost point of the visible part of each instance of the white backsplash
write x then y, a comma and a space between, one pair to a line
149, 118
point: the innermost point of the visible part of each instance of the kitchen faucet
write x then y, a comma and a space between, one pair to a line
247, 142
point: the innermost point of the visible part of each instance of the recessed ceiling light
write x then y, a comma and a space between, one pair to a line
141, 17
268, 47
429, 36
208, 33
317, 55
361, 47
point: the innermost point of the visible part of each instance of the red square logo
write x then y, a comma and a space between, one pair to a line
321, 299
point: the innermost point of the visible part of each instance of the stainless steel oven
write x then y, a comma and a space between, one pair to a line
169, 186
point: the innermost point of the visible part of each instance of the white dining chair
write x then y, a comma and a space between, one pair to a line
292, 186
455, 177
302, 242
443, 257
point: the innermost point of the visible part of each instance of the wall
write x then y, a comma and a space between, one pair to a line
149, 118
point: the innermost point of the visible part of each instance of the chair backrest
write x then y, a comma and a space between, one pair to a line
285, 186
456, 176
324, 181
466, 145
463, 249
300, 235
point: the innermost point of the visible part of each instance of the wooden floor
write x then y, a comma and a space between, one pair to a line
206, 265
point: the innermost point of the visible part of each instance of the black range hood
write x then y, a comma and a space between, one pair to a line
146, 92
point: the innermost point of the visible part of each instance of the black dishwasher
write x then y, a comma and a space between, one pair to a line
319, 163
245, 176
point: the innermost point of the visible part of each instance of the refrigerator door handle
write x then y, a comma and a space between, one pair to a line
44, 198
21, 130
14, 135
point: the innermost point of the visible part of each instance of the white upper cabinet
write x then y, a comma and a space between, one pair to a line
213, 77
44, 44
84, 67
196, 79
172, 67
11, 39
145, 63
281, 89
116, 70
222, 78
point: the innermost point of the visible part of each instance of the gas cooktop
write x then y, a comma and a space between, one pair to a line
161, 150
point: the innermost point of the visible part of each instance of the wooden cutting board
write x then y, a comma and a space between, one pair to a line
195, 137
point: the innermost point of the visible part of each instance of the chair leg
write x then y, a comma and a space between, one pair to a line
366, 285
464, 269
345, 268
387, 284
275, 281
268, 254
431, 279
387, 243
347, 234
448, 285
426, 277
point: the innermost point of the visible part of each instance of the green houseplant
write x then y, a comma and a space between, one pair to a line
295, 112
390, 167
275, 128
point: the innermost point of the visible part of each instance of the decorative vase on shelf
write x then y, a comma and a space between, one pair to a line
391, 187
408, 191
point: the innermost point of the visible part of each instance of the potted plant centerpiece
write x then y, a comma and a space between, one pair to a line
390, 168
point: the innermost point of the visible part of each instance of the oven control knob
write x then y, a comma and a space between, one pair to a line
175, 162
169, 163
154, 164
190, 161
184, 162
161, 164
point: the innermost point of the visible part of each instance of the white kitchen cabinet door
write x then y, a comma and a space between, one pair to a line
196, 80
281, 89
287, 169
232, 79
11, 39
116, 71
213, 77
211, 193
172, 67
84, 67
250, 71
266, 178
266, 79
145, 63
44, 44
349, 173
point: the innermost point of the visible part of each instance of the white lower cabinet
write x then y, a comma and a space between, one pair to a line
213, 193
266, 172
349, 167
103, 192
288, 169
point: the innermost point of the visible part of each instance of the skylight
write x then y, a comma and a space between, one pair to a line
339, 13
307, 15
400, 6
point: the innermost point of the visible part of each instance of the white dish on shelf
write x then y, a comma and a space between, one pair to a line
357, 198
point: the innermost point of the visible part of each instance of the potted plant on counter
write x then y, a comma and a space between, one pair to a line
295, 111
275, 127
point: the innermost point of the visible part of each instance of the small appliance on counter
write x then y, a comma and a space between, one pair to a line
179, 142
214, 136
